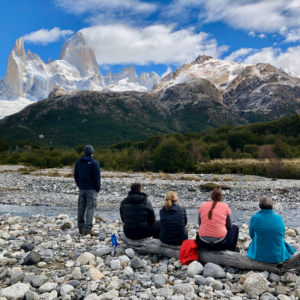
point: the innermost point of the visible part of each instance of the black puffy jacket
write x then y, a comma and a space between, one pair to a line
136, 210
173, 222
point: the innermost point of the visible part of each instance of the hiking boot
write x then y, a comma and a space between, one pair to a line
81, 231
91, 232
237, 249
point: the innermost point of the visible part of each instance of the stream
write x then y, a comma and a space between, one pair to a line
291, 218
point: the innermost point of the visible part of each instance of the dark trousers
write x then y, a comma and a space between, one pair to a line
229, 242
137, 233
87, 203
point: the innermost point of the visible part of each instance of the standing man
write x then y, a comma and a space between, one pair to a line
87, 177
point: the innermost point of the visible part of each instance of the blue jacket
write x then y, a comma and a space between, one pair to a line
267, 232
87, 173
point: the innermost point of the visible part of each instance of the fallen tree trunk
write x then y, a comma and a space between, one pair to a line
225, 258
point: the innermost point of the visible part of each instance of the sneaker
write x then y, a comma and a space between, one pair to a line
91, 232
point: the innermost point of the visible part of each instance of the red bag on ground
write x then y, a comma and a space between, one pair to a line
188, 252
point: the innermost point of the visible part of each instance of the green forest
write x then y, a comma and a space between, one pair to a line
267, 149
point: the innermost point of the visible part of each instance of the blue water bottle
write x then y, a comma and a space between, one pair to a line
114, 240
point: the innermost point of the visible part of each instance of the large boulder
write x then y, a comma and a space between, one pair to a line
15, 292
255, 284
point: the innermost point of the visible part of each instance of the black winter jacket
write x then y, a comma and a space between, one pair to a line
87, 173
136, 210
173, 222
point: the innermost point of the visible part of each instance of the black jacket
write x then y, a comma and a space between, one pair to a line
87, 173
173, 222
136, 210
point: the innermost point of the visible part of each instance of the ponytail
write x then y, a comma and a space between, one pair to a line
170, 199
216, 196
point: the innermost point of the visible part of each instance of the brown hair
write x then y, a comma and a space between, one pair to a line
170, 199
265, 202
216, 196
136, 187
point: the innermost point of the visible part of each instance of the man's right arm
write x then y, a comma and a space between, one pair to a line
76, 174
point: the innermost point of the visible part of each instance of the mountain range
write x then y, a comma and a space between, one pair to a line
82, 106
29, 78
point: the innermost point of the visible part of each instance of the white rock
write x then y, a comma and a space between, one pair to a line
85, 258
124, 259
128, 271
115, 264
47, 287
91, 297
15, 292
129, 252
255, 284
70, 264
109, 295
195, 268
66, 289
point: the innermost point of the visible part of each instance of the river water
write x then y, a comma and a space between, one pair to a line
291, 217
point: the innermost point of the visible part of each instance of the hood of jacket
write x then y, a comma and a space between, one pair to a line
86, 158
136, 197
172, 210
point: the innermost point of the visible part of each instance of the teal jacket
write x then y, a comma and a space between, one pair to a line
267, 232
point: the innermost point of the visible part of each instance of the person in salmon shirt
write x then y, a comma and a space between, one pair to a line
216, 231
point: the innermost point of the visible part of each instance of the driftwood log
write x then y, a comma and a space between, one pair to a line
223, 258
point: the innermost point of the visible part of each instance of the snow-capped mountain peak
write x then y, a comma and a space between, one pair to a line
29, 77
289, 72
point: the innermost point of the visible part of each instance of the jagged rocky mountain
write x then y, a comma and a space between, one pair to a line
29, 77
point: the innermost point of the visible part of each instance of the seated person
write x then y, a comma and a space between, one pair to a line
173, 221
267, 232
138, 215
216, 231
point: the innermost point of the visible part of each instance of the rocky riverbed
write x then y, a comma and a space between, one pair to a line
40, 189
46, 258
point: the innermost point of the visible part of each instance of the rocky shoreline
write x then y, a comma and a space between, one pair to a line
46, 258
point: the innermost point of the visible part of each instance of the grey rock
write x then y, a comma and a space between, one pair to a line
216, 285
3, 273
165, 292
27, 247
66, 289
213, 270
274, 277
289, 277
103, 251
30, 295
159, 280
267, 296
16, 277
137, 263
32, 258
47, 287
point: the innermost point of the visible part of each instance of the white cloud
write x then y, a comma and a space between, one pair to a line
46, 36
238, 55
275, 56
251, 33
158, 44
168, 71
293, 36
252, 15
262, 36
108, 11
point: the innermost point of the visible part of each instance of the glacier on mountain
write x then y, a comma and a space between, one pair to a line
29, 77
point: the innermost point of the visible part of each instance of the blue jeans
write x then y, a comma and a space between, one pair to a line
87, 203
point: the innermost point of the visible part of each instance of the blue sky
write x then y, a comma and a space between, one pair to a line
157, 35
